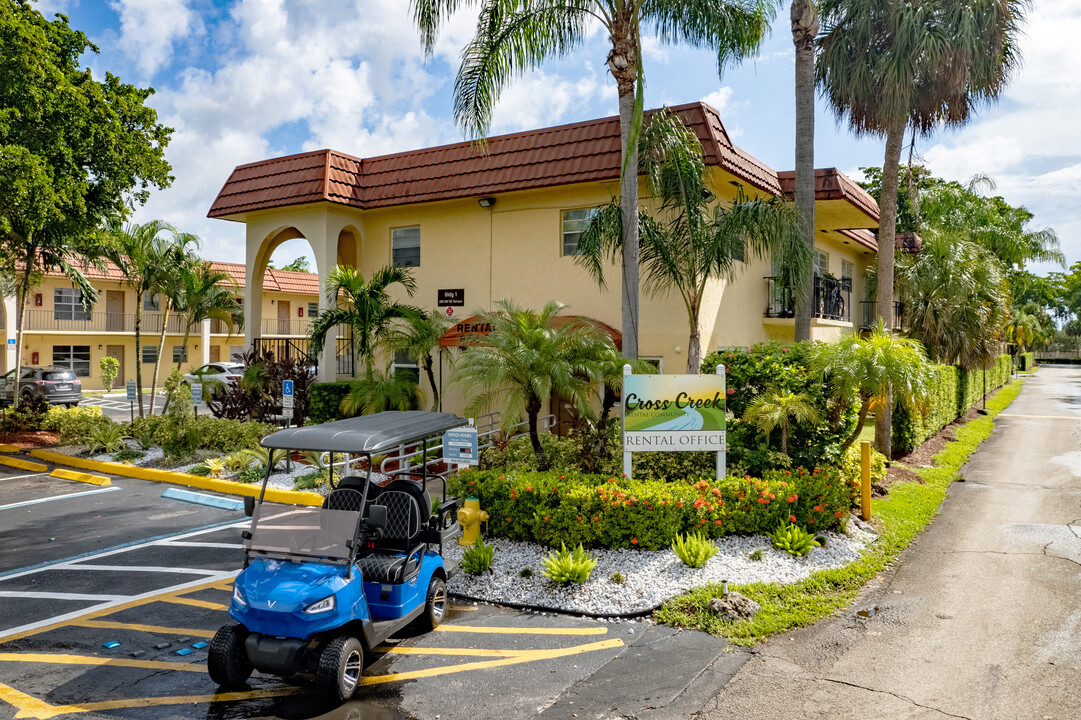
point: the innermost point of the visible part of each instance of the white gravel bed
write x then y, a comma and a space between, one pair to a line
650, 576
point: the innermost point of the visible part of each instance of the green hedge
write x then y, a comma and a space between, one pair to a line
600, 511
1027, 361
954, 391
325, 403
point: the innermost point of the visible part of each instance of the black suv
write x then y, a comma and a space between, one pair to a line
58, 385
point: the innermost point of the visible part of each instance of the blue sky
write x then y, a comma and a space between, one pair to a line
242, 80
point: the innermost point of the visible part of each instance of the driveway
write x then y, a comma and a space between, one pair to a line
980, 618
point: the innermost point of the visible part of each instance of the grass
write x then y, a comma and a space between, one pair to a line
899, 517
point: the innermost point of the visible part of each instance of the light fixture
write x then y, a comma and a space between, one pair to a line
99, 347
271, 302
486, 202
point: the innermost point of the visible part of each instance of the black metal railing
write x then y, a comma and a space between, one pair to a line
346, 357
779, 301
294, 348
832, 298
868, 316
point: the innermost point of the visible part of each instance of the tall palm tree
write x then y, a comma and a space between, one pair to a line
688, 242
208, 294
804, 16
525, 359
514, 36
137, 250
779, 408
419, 338
869, 369
886, 66
177, 258
368, 308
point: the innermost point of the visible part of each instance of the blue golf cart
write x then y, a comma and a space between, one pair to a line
323, 586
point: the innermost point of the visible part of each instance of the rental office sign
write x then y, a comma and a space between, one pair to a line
674, 413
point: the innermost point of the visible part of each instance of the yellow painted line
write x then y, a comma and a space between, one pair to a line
157, 629
92, 660
22, 464
522, 631
476, 652
80, 477
4, 447
196, 603
287, 497
464, 608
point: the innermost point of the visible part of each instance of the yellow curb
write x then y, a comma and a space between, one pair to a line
22, 464
4, 447
287, 497
81, 477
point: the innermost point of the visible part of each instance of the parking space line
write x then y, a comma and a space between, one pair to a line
473, 652
57, 497
196, 603
22, 477
231, 546
94, 660
157, 629
522, 631
140, 568
62, 596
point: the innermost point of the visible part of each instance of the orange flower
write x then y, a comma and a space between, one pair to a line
545, 518
611, 480
502, 476
818, 508
679, 504
716, 522
529, 488
579, 518
792, 498
594, 518
699, 503
839, 513
772, 496
514, 494
792, 518
562, 477
634, 541
762, 501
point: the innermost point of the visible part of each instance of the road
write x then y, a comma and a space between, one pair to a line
980, 618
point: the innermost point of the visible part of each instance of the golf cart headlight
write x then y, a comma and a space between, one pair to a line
325, 605
238, 598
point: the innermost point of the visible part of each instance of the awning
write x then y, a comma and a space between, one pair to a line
476, 325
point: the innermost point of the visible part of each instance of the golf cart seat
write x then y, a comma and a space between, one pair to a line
347, 496
408, 508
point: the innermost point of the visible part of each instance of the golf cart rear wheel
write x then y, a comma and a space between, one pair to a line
228, 659
340, 666
435, 607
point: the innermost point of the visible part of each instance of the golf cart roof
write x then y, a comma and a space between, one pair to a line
366, 434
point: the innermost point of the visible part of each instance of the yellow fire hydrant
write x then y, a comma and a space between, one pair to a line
470, 517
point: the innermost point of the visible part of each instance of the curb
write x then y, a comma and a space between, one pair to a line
4, 447
80, 477
22, 464
285, 497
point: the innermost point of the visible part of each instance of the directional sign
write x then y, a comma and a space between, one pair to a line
287, 388
460, 446
287, 401
287, 413
131, 390
196, 393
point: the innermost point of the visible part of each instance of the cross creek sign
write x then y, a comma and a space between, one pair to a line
673, 412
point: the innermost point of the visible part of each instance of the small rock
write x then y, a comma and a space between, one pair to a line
734, 606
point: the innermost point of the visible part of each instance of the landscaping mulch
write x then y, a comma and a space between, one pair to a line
28, 440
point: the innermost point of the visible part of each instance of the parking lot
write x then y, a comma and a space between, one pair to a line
109, 596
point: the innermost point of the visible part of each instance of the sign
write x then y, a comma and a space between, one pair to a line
450, 312
131, 390
287, 388
673, 412
460, 446
287, 401
196, 393
11, 341
455, 297
287, 413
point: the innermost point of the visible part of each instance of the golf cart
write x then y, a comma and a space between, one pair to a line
322, 586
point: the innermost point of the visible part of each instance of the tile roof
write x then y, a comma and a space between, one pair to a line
283, 281
861, 236
832, 184
575, 153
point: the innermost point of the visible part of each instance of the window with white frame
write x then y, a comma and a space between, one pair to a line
150, 353
313, 309
405, 366
74, 357
180, 353
656, 362
574, 224
822, 262
150, 301
68, 304
846, 269
405, 246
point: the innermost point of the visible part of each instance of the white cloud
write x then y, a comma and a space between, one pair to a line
150, 28
719, 99
540, 99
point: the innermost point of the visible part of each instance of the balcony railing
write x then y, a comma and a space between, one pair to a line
294, 327
779, 302
832, 299
868, 316
106, 322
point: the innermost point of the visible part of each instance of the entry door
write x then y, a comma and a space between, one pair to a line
215, 353
114, 310
117, 351
285, 310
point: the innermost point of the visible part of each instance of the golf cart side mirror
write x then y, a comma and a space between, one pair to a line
377, 517
249, 505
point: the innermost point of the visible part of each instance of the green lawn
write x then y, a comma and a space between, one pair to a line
899, 517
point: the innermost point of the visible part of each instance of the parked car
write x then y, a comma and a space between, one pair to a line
227, 373
58, 385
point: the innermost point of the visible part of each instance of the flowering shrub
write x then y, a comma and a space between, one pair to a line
596, 510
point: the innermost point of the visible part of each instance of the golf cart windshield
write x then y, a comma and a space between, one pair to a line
302, 533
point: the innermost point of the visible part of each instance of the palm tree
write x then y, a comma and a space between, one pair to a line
419, 339
887, 66
513, 37
804, 15
610, 364
525, 359
205, 294
176, 260
137, 250
869, 368
368, 308
690, 243
378, 391
778, 408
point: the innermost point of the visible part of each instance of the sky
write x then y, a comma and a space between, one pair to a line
244, 80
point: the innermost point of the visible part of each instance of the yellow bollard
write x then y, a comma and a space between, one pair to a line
470, 517
865, 479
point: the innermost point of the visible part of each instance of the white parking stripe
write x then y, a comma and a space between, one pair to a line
57, 497
138, 568
23, 477
203, 544
62, 596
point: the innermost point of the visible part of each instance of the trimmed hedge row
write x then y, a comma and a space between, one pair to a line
954, 391
1027, 361
325, 402
600, 511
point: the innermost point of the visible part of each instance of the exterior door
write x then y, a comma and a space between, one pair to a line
117, 351
215, 353
285, 310
114, 312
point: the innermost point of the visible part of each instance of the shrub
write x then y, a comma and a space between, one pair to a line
176, 431
694, 549
478, 557
852, 473
200, 469
216, 466
310, 481
325, 403
525, 572
110, 367
73, 425
261, 457
793, 539
617, 578
569, 566
258, 395
108, 437
250, 474
127, 455
229, 435
235, 462
28, 417
756, 555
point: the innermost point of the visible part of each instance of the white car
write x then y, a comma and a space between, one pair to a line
227, 373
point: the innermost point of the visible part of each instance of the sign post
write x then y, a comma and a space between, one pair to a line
287, 413
460, 446
196, 396
131, 397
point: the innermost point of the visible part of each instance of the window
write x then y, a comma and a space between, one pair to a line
180, 353
739, 249
74, 357
655, 362
150, 353
150, 301
822, 262
68, 304
574, 223
236, 353
405, 366
846, 269
405, 246
313, 309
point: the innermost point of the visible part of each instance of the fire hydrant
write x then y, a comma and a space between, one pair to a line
470, 517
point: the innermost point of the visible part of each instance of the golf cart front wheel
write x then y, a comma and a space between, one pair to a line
435, 607
340, 666
228, 659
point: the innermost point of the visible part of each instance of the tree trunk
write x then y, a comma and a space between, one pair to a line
139, 352
694, 350
804, 30
187, 337
161, 349
623, 64
887, 235
431, 381
784, 439
532, 409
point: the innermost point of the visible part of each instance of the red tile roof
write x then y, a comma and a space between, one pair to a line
576, 153
832, 184
862, 237
283, 281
